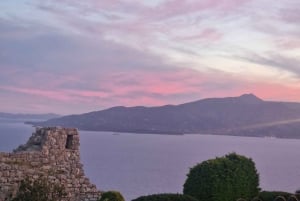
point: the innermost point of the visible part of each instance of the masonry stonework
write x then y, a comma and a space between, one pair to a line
50, 152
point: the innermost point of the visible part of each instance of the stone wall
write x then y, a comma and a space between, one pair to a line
52, 153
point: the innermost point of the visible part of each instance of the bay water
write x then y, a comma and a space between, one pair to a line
143, 164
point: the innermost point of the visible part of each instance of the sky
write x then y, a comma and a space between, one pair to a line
73, 56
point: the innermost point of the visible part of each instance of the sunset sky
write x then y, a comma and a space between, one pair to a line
74, 56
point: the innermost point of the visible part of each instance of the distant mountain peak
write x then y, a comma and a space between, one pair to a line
250, 98
241, 115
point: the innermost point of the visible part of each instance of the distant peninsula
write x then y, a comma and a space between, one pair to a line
245, 115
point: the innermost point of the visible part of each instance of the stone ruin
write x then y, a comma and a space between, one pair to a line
50, 152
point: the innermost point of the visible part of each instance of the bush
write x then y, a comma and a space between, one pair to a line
271, 195
112, 196
256, 199
39, 190
280, 198
293, 198
223, 179
166, 197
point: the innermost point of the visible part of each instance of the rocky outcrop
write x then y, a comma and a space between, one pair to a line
50, 152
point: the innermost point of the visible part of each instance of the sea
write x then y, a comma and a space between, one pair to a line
144, 164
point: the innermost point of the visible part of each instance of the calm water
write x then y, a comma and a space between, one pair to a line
145, 164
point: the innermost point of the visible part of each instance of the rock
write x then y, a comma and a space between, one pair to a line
50, 152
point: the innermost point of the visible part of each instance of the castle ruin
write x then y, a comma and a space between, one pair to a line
50, 152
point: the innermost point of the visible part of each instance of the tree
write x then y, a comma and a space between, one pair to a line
226, 178
39, 190
112, 196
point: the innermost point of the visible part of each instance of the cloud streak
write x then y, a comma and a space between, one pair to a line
77, 56
276, 61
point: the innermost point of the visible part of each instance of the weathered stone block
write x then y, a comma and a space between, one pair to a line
47, 154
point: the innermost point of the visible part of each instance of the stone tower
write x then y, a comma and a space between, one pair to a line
50, 152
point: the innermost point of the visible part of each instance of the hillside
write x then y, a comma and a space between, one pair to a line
243, 115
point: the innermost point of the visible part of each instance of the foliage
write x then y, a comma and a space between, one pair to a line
280, 198
293, 198
111, 196
166, 197
271, 195
39, 190
256, 199
226, 178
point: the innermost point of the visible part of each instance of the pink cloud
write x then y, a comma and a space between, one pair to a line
165, 82
8, 70
288, 43
175, 8
169, 86
140, 19
211, 34
64, 95
57, 95
140, 87
80, 64
265, 90
290, 13
207, 35
141, 101
277, 92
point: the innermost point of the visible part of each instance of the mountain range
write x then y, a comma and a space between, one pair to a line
245, 115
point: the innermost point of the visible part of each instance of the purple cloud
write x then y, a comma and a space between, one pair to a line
77, 56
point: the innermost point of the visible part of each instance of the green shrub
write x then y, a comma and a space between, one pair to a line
256, 199
166, 197
223, 179
271, 195
111, 196
280, 198
39, 190
293, 198
241, 199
